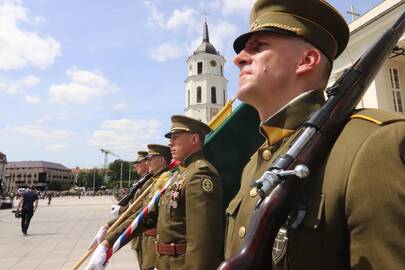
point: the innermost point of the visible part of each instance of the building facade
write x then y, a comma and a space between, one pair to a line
3, 162
22, 174
206, 86
387, 91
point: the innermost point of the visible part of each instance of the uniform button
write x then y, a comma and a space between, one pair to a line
253, 192
242, 232
267, 154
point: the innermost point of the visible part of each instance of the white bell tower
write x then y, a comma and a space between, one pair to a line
206, 86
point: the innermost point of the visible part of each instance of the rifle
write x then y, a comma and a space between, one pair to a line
280, 186
124, 201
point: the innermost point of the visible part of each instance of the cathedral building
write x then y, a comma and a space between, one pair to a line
206, 86
387, 91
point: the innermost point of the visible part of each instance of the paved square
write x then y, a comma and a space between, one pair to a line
58, 235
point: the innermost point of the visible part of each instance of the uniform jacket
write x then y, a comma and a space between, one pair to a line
189, 212
353, 202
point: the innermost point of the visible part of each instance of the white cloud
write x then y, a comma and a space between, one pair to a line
84, 86
222, 34
39, 132
185, 18
156, 17
32, 99
19, 48
55, 147
19, 86
120, 106
48, 118
166, 51
126, 135
30, 81
237, 6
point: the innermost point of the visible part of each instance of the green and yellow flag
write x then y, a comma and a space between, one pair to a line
220, 117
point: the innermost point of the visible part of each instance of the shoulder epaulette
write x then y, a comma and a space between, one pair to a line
202, 163
378, 117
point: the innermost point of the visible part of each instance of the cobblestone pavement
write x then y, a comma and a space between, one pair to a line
59, 234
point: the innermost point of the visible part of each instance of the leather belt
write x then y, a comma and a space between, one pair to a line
171, 249
150, 232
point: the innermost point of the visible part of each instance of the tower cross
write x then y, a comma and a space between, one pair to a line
205, 15
353, 13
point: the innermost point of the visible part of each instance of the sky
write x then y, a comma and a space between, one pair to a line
77, 76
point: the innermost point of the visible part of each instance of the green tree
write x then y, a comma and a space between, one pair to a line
114, 172
86, 178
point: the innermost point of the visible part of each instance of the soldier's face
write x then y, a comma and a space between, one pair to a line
141, 167
154, 163
181, 145
266, 64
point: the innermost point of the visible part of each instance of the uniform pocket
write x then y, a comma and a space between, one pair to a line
231, 213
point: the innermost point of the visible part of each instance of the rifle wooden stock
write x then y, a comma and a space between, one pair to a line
329, 121
124, 201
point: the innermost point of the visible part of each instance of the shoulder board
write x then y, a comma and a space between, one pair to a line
160, 182
202, 163
378, 117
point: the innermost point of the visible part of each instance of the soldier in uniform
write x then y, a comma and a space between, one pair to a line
157, 160
141, 169
190, 226
351, 213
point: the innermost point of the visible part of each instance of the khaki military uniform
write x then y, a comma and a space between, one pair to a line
190, 221
353, 203
146, 242
136, 243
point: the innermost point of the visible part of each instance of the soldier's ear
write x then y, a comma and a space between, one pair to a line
195, 138
310, 59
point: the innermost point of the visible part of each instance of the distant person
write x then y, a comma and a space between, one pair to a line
28, 199
50, 194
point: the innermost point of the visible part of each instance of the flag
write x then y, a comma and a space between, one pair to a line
217, 120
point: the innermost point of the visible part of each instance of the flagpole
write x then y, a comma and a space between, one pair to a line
122, 239
122, 217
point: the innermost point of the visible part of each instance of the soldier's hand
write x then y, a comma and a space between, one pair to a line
98, 258
99, 236
115, 210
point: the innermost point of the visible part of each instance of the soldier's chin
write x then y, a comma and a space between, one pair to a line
242, 94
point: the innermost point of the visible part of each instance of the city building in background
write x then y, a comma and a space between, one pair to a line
3, 162
387, 91
42, 174
206, 86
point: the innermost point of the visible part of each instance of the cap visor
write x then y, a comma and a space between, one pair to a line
239, 43
168, 135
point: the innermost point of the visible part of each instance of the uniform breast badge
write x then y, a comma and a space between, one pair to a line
280, 245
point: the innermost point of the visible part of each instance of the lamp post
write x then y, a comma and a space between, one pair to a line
129, 174
121, 176
94, 180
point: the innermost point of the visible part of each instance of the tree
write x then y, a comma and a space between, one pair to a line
58, 186
114, 171
85, 179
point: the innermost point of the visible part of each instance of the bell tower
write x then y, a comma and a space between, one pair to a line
206, 86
